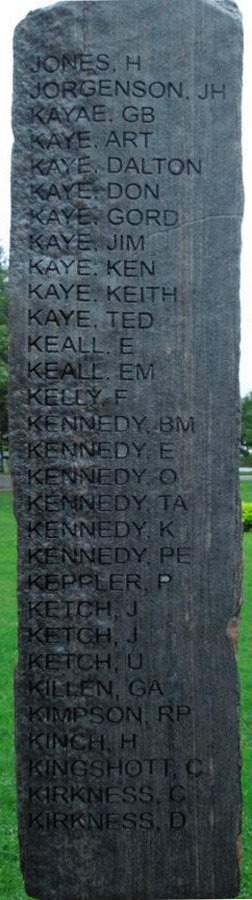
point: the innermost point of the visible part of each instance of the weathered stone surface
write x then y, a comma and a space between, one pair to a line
127, 202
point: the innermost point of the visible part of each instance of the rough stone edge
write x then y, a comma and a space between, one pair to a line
229, 7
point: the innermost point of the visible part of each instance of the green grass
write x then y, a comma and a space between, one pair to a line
245, 670
246, 491
10, 876
8, 622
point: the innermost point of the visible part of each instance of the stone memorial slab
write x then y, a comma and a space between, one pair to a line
126, 214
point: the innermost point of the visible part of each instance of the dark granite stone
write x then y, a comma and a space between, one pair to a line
127, 203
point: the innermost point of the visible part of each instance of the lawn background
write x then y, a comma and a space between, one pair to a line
10, 876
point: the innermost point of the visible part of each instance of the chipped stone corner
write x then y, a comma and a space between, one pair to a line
228, 6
